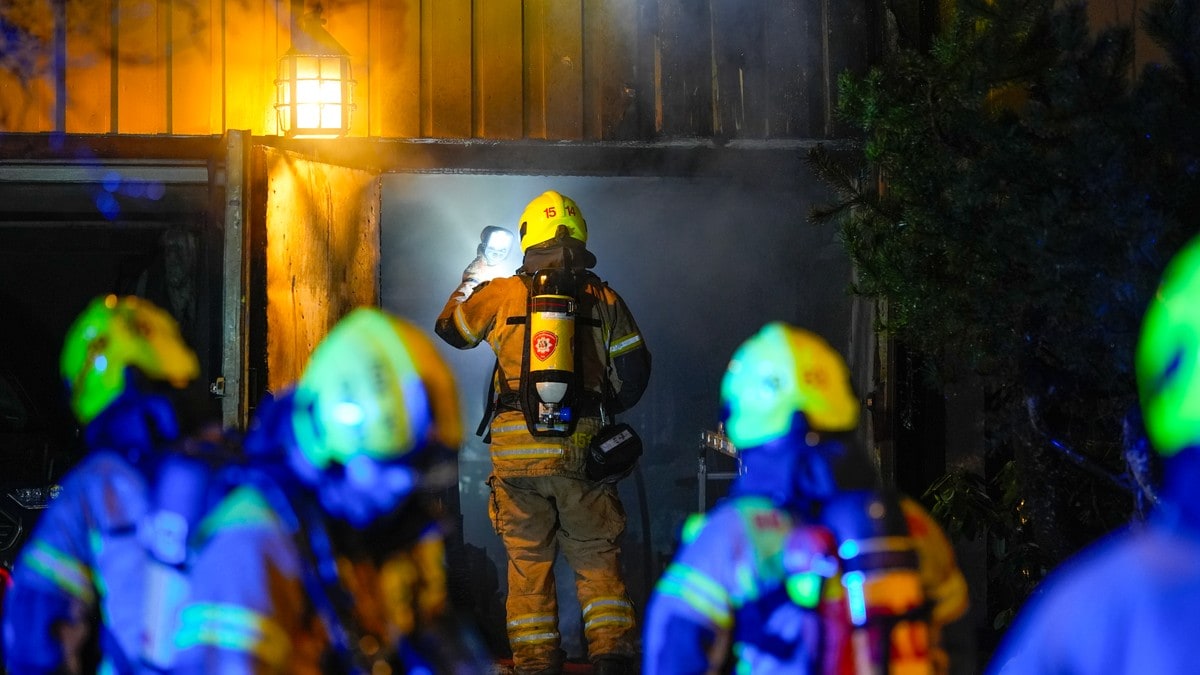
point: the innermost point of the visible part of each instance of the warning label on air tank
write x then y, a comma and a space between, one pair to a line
543, 345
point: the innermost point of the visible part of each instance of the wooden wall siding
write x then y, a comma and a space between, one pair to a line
322, 254
26, 85
252, 35
89, 69
141, 57
446, 68
189, 69
388, 94
684, 76
498, 59
612, 68
619, 70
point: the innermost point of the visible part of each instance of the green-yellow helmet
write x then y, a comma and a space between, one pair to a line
374, 386
118, 332
1168, 356
543, 216
780, 371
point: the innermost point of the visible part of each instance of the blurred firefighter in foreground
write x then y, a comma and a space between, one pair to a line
1128, 604
569, 356
807, 566
324, 554
124, 363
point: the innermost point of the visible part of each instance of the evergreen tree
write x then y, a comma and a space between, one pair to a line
1020, 191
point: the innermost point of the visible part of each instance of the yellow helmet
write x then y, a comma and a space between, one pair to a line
1167, 359
780, 371
375, 386
118, 332
544, 215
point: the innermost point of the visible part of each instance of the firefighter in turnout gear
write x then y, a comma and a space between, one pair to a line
1127, 604
806, 566
332, 523
568, 351
123, 363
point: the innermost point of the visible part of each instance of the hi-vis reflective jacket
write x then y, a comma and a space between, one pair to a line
83, 555
723, 604
253, 608
613, 367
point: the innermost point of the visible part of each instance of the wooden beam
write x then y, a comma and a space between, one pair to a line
775, 162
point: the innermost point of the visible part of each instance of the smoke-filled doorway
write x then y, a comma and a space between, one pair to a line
702, 264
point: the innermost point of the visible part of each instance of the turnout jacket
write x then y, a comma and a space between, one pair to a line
84, 556
611, 355
723, 606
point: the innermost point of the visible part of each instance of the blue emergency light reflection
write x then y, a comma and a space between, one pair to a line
113, 184
848, 549
856, 596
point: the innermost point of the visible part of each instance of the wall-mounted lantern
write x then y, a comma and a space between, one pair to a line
314, 90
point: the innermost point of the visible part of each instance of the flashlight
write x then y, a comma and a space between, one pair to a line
494, 245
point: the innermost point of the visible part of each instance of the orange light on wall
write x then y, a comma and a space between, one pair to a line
314, 91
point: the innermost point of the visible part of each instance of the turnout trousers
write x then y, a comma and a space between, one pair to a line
536, 517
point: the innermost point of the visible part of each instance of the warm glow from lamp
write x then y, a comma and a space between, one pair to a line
314, 90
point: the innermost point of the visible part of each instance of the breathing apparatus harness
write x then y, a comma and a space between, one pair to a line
888, 611
879, 615
850, 561
550, 394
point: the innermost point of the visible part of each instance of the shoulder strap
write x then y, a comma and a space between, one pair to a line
491, 395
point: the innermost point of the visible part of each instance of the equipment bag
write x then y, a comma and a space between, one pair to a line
613, 451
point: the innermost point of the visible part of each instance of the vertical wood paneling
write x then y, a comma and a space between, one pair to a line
554, 69
27, 78
251, 30
496, 69
216, 66
190, 67
498, 87
648, 71
795, 57
394, 77
141, 68
685, 68
446, 68
283, 42
89, 75
14, 102
610, 59
349, 25
739, 69
26, 103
